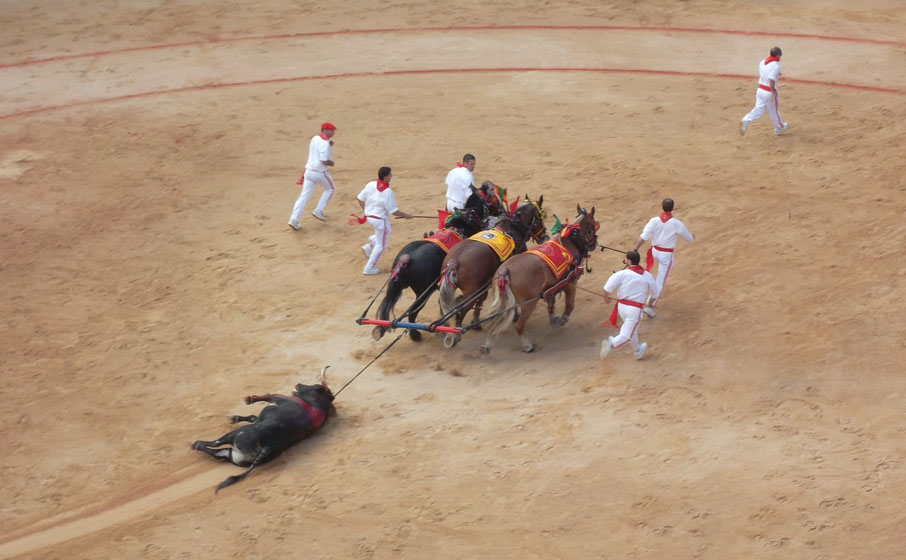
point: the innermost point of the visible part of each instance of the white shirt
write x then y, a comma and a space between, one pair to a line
768, 72
318, 151
379, 204
631, 285
664, 234
459, 179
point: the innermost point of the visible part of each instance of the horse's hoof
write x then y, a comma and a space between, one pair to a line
476, 328
196, 445
528, 348
416, 336
451, 340
377, 332
485, 350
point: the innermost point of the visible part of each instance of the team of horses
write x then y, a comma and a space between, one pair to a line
489, 255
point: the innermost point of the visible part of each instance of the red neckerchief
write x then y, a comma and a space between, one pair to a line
382, 186
460, 164
637, 269
665, 216
321, 134
771, 59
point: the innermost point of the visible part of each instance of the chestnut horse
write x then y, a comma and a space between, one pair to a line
524, 279
470, 265
418, 266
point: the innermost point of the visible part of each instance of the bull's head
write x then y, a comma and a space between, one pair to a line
322, 388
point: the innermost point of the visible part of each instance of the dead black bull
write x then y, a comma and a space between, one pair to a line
280, 424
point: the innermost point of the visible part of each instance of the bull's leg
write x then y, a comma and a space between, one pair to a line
236, 419
226, 439
527, 309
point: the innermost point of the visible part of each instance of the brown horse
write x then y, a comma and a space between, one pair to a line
470, 265
524, 279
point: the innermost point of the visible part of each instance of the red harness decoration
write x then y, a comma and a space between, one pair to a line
317, 417
555, 256
445, 239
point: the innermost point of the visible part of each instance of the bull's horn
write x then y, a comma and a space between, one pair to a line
324, 376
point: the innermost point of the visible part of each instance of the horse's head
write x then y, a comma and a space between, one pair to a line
531, 216
584, 231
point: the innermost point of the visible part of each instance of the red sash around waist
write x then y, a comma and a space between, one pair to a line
614, 313
764, 87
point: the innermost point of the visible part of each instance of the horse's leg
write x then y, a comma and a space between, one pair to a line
476, 314
551, 305
527, 309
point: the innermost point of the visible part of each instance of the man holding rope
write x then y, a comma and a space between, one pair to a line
662, 230
377, 200
632, 284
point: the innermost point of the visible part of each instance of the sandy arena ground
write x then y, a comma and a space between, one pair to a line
148, 280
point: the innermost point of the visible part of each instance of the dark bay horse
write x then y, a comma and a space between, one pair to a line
541, 274
418, 266
470, 265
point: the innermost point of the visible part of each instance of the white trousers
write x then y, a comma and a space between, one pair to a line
765, 100
664, 260
378, 241
629, 332
312, 178
452, 205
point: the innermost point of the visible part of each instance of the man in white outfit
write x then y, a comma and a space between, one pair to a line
460, 183
377, 200
662, 230
632, 284
766, 96
316, 174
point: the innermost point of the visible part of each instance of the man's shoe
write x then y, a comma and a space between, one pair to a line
782, 129
649, 311
319, 215
641, 351
295, 225
371, 271
743, 125
605, 347
367, 248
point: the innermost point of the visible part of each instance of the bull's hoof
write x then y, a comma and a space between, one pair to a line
451, 340
197, 445
416, 336
485, 350
377, 332
235, 419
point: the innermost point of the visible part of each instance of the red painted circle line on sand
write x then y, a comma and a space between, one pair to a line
433, 71
462, 28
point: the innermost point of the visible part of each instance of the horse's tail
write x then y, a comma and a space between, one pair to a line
449, 282
504, 304
395, 287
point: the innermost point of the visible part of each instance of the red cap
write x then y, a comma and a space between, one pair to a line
328, 126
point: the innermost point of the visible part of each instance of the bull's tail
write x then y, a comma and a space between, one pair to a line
449, 283
395, 287
230, 480
504, 304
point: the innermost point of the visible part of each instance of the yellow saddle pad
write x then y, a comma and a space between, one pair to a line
502, 243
